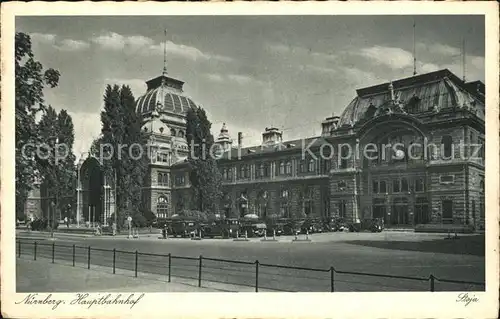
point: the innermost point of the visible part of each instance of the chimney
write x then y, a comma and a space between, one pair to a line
240, 139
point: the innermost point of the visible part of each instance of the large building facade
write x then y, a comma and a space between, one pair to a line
410, 151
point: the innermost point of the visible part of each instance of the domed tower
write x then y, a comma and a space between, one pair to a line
224, 140
163, 110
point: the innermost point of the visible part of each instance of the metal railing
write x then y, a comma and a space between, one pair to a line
255, 274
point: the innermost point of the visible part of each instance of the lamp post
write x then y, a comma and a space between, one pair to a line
54, 173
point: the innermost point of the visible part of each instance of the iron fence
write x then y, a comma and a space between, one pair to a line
255, 274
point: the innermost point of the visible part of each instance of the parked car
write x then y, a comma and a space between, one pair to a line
184, 228
224, 228
292, 227
373, 225
253, 228
335, 224
275, 228
311, 226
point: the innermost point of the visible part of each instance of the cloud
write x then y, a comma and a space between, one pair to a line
233, 78
394, 58
438, 48
43, 38
214, 77
62, 45
279, 48
359, 78
87, 128
321, 70
73, 45
137, 44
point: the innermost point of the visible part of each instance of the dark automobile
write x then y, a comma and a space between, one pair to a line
292, 227
311, 226
275, 229
335, 224
254, 228
374, 225
184, 228
224, 228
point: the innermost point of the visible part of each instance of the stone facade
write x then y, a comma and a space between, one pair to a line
314, 176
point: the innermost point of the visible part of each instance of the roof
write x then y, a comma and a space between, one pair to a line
262, 150
164, 94
417, 94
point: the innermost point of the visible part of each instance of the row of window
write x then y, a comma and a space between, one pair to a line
398, 186
163, 179
282, 168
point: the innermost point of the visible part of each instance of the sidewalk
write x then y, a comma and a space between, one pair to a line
43, 276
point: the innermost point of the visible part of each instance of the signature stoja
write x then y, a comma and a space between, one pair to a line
467, 299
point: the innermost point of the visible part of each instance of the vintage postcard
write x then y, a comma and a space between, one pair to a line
250, 160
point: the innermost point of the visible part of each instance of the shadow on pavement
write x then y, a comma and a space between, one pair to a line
466, 245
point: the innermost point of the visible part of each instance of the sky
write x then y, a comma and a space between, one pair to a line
250, 72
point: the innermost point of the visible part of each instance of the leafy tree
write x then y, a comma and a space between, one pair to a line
121, 126
30, 80
58, 173
205, 177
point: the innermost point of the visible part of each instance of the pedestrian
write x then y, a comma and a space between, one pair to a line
66, 221
114, 229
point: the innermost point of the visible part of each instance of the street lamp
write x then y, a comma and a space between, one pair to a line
54, 173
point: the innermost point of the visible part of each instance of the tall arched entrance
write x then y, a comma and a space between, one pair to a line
91, 206
394, 174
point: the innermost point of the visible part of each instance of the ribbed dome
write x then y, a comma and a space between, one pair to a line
164, 94
427, 92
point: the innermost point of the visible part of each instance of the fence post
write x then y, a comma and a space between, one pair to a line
432, 283
256, 276
114, 261
19, 248
74, 255
332, 279
169, 266
88, 258
199, 271
53, 251
34, 252
136, 258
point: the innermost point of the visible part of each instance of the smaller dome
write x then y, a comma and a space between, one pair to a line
156, 126
224, 135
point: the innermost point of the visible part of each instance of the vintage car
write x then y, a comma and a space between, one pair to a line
275, 228
292, 227
374, 225
311, 226
253, 228
184, 228
224, 228
335, 224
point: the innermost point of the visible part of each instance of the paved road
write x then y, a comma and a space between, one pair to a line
401, 254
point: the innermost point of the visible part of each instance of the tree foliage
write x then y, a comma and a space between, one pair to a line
124, 140
56, 165
205, 177
30, 80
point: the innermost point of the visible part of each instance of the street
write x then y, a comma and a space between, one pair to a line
388, 253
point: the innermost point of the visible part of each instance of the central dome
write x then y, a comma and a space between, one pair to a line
164, 94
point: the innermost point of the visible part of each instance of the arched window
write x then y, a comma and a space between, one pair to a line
285, 203
172, 132
344, 153
289, 168
447, 146
162, 207
180, 133
282, 168
310, 166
